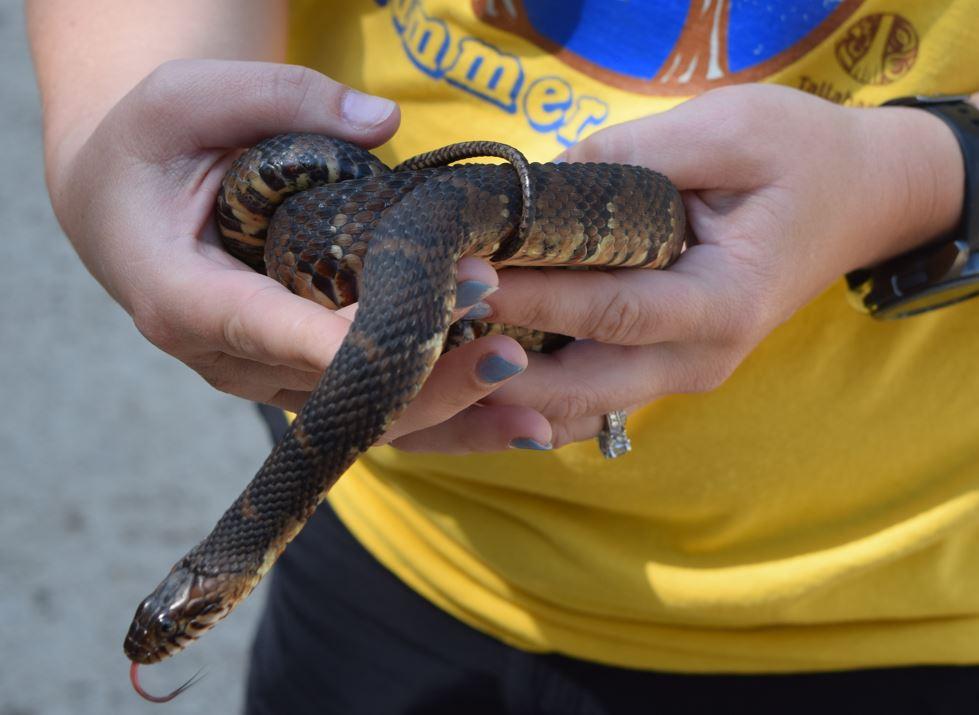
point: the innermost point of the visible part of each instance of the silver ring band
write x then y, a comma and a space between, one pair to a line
612, 440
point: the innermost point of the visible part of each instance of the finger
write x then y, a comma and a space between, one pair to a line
482, 429
475, 279
566, 385
202, 306
580, 429
249, 316
251, 380
273, 326
192, 104
459, 379
625, 306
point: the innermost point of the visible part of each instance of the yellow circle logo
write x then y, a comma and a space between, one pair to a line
878, 49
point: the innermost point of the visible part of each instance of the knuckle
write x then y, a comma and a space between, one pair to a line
292, 88
291, 78
570, 403
533, 309
530, 313
620, 321
235, 334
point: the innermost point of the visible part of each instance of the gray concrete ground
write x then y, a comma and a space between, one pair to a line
114, 459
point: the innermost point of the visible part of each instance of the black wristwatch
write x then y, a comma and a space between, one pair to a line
945, 271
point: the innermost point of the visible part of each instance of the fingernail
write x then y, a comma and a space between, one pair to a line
471, 292
365, 110
478, 312
494, 368
528, 443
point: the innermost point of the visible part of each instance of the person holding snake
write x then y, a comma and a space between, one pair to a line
794, 525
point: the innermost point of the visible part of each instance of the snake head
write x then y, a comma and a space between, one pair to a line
179, 610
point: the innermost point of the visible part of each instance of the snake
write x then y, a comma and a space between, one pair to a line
331, 222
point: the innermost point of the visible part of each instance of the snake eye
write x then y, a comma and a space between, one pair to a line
167, 626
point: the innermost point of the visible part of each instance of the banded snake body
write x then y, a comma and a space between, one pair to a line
334, 224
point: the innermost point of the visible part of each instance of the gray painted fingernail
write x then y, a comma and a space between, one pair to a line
478, 312
528, 443
471, 292
493, 368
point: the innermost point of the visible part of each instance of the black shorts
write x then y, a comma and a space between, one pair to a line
341, 634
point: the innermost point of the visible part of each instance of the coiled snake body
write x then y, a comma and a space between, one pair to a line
406, 229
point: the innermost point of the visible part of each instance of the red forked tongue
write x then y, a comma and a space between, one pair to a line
134, 679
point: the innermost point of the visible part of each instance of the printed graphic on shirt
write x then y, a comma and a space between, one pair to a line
653, 47
664, 47
445, 53
875, 49
878, 49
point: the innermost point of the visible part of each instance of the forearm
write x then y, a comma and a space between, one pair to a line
89, 54
920, 179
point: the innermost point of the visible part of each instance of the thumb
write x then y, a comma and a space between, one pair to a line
186, 105
709, 142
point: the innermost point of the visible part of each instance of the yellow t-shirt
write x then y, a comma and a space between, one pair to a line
818, 511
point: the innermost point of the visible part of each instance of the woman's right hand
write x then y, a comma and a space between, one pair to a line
136, 200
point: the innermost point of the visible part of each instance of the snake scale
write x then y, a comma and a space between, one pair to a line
334, 224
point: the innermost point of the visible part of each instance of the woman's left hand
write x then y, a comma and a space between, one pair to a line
785, 193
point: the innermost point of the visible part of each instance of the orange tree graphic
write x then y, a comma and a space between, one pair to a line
699, 57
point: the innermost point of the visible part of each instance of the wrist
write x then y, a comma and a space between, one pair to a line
920, 176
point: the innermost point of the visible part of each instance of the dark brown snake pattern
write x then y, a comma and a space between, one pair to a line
347, 228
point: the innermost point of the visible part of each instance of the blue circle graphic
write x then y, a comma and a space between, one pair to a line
635, 37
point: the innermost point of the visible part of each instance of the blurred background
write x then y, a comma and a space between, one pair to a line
114, 460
